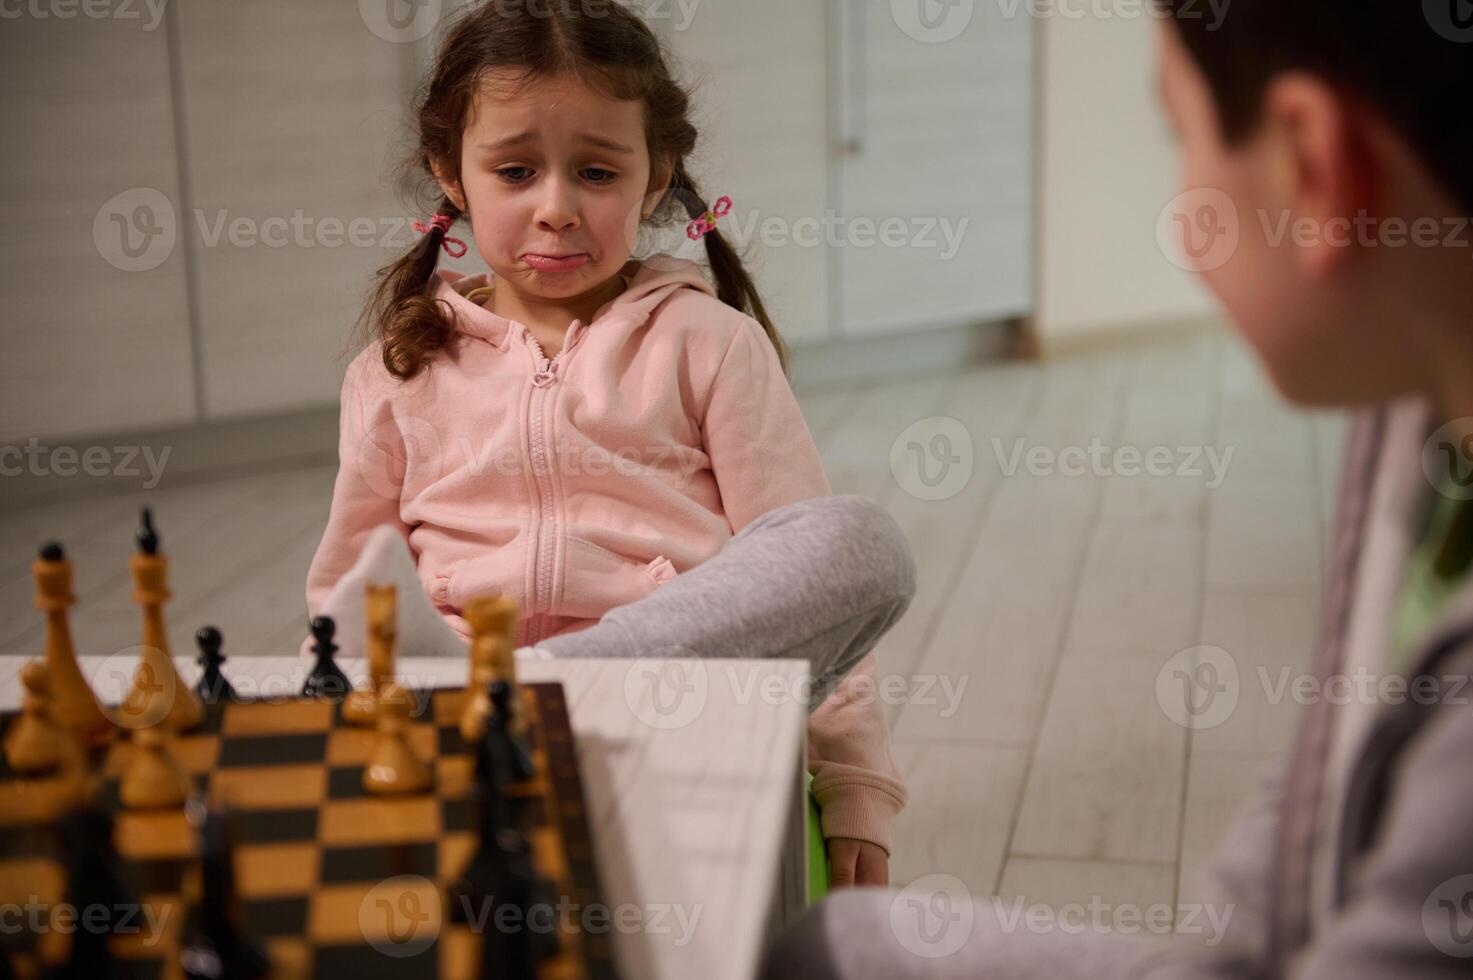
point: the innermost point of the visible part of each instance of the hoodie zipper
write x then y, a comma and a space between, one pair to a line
543, 379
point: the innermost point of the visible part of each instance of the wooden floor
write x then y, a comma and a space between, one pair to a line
1049, 603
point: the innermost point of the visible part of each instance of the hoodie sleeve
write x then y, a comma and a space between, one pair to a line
761, 452
366, 492
858, 788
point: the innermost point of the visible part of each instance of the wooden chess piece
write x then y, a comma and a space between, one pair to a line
493, 622
77, 781
33, 745
213, 686
74, 705
153, 779
94, 883
157, 687
379, 609
393, 768
214, 936
326, 679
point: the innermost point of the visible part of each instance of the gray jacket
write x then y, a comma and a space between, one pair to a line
1400, 866
1355, 860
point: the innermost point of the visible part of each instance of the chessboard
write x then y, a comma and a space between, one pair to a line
330, 880
379, 831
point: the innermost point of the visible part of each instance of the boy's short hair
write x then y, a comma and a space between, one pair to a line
1411, 60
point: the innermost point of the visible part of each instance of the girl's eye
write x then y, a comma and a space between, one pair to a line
514, 175
598, 175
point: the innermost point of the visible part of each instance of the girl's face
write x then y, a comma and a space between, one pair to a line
554, 178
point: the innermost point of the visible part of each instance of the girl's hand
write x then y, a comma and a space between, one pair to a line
857, 862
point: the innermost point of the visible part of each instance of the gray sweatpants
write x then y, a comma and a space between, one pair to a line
821, 580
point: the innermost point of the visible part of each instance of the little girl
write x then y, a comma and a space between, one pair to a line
612, 442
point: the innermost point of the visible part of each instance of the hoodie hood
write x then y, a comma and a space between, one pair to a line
649, 283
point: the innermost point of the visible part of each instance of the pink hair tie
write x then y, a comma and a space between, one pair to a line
707, 222
442, 222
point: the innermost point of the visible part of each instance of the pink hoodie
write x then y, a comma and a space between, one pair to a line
579, 483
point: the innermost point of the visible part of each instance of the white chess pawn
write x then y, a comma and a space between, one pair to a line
153, 779
393, 767
34, 745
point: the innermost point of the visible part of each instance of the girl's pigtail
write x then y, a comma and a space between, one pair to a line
409, 322
734, 285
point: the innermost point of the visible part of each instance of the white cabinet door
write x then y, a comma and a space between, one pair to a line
760, 74
294, 112
934, 104
94, 311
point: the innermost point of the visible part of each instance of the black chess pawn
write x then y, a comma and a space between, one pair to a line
215, 947
94, 881
327, 679
213, 687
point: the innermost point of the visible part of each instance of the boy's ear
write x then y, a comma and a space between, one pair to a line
1321, 165
449, 184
